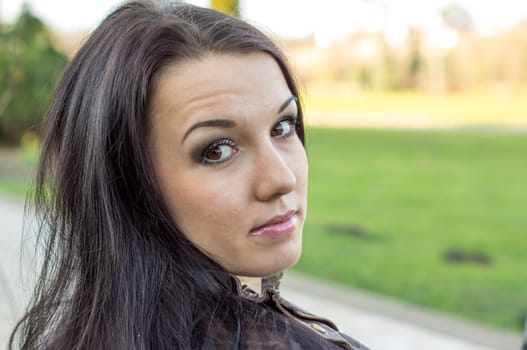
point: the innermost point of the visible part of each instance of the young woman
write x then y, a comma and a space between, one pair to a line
172, 179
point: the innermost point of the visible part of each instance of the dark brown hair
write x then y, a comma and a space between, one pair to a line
117, 273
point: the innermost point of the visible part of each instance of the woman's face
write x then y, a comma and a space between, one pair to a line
230, 166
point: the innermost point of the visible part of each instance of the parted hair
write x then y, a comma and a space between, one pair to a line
117, 272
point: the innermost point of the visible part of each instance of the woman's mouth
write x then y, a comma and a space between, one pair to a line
279, 225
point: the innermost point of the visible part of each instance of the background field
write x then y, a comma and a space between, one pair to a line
340, 105
435, 218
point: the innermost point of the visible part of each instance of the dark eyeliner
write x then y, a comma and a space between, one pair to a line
293, 119
219, 142
200, 150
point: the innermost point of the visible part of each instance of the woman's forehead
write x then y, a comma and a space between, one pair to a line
233, 82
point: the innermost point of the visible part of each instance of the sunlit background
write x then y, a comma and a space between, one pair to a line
417, 113
299, 18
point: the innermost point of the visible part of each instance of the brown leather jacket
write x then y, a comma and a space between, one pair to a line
314, 326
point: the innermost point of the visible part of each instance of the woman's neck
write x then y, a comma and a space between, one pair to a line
254, 283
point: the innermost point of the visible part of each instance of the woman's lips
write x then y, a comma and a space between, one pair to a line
278, 226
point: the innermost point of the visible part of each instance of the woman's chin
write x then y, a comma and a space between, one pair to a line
270, 270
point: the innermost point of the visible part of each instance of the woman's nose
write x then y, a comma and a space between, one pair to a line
274, 176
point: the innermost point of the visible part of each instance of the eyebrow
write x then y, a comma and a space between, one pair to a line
227, 123
286, 103
217, 123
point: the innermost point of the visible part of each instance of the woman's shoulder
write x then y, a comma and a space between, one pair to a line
307, 324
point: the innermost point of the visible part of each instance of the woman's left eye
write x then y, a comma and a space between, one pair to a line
284, 128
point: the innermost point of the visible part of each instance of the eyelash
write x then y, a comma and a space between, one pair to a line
221, 142
218, 143
292, 121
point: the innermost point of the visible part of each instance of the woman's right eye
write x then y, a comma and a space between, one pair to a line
218, 152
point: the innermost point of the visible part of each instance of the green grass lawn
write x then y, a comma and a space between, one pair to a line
386, 206
16, 167
14, 187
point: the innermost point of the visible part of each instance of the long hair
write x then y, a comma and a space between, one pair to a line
117, 273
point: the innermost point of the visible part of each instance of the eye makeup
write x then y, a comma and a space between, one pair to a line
290, 122
201, 149
224, 148
217, 149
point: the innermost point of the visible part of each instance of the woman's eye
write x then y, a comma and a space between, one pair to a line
218, 152
284, 128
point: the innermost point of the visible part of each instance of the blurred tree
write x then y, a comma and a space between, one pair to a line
457, 17
29, 68
231, 7
414, 60
364, 77
388, 72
